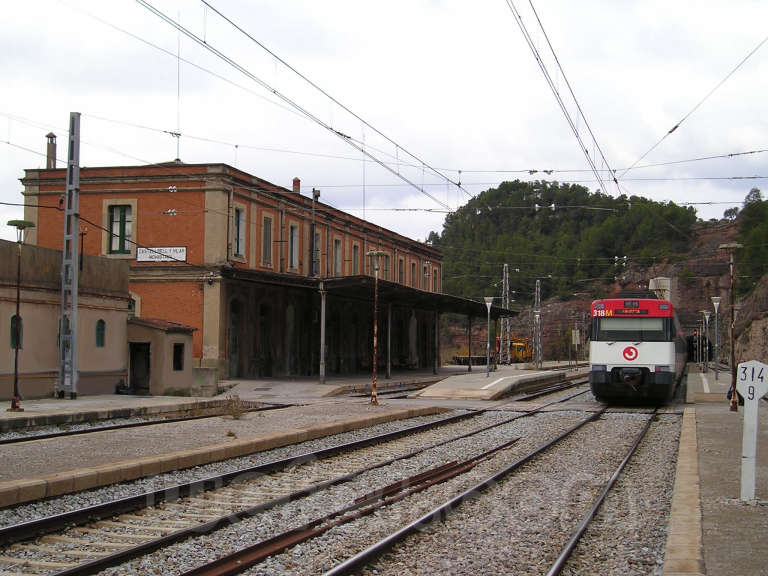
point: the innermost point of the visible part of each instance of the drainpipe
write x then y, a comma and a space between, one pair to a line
281, 208
229, 223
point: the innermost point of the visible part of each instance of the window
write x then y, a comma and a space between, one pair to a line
119, 229
337, 261
178, 356
425, 281
434, 280
636, 329
413, 275
400, 270
17, 321
355, 259
101, 333
266, 241
239, 232
385, 265
293, 239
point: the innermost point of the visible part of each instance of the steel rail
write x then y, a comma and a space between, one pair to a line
557, 388
442, 512
559, 563
65, 433
141, 549
78, 517
41, 526
33, 528
243, 559
122, 556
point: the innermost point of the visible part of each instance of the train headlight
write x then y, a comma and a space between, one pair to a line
662, 368
598, 367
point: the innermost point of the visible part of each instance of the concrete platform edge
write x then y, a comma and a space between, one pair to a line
31, 420
684, 555
28, 489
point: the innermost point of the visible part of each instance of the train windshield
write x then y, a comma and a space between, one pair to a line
633, 329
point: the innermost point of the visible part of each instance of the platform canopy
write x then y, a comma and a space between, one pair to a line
361, 288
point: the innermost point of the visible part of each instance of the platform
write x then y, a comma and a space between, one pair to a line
711, 531
503, 381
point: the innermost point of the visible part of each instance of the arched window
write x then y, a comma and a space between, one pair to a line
101, 333
14, 320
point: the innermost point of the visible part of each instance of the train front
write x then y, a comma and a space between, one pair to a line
632, 352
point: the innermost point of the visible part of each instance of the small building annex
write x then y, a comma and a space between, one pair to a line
262, 273
102, 316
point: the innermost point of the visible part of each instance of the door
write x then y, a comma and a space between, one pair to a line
139, 378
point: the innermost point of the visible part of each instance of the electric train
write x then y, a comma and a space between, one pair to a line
637, 351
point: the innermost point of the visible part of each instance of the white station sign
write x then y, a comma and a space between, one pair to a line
752, 384
162, 254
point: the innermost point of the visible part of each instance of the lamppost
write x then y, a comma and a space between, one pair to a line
20, 226
734, 395
716, 304
488, 304
707, 314
374, 255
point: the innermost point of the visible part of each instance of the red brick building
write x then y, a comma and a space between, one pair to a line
229, 254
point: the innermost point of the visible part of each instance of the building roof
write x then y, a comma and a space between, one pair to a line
160, 324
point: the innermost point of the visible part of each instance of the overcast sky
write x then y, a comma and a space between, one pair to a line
453, 82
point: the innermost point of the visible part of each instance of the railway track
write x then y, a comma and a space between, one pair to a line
114, 532
520, 527
244, 558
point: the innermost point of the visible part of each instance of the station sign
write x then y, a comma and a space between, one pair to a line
161, 254
752, 384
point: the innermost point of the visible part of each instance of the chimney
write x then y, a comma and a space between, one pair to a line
296, 186
50, 157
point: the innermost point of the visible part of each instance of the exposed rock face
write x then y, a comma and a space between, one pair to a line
752, 325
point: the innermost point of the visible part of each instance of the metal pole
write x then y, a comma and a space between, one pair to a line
374, 254
322, 332
374, 397
706, 341
20, 226
469, 343
389, 340
734, 395
716, 304
488, 304
15, 407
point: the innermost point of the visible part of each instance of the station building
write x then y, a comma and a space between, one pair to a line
261, 274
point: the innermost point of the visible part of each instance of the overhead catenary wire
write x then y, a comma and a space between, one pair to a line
243, 70
397, 163
696, 107
576, 101
555, 92
398, 146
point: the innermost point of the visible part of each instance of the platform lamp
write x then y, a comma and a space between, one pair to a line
716, 304
488, 304
374, 255
20, 226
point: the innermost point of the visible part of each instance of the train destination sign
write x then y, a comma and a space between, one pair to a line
752, 384
162, 254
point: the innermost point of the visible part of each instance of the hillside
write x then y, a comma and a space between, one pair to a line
583, 245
